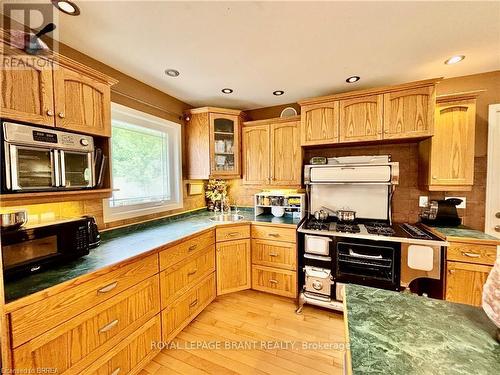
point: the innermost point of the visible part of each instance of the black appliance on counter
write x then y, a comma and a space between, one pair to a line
27, 250
442, 212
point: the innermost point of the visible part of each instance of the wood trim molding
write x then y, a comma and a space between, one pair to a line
459, 96
276, 120
373, 91
224, 111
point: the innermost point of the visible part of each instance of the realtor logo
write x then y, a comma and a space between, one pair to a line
24, 23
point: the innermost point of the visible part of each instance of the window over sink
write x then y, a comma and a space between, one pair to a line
146, 164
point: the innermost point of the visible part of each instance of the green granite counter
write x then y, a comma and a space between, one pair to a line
462, 233
397, 333
121, 244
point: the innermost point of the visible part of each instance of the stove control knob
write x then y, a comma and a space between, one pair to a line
84, 142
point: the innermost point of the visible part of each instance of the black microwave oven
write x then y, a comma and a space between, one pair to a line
27, 250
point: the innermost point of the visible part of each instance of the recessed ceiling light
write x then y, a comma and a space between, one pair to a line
172, 72
352, 79
278, 92
454, 59
227, 91
67, 7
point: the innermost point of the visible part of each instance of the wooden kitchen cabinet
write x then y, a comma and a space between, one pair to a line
82, 103
233, 266
447, 159
27, 89
320, 123
409, 113
361, 118
272, 154
213, 143
464, 282
55, 92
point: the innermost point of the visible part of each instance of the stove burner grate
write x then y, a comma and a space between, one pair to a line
381, 229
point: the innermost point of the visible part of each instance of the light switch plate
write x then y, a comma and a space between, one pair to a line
423, 200
461, 205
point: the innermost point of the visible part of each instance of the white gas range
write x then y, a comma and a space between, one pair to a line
371, 250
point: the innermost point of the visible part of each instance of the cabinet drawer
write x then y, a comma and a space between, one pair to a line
177, 279
82, 340
232, 232
268, 232
274, 254
177, 253
275, 281
178, 315
472, 253
132, 354
32, 320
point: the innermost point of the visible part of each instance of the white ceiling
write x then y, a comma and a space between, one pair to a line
305, 48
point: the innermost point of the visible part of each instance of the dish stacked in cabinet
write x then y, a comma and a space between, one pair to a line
274, 260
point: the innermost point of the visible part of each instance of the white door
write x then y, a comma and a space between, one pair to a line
492, 226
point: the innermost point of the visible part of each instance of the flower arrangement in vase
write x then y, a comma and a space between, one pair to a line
215, 190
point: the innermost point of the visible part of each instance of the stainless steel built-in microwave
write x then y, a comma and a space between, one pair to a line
39, 159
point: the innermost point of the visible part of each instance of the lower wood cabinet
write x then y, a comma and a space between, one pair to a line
274, 280
131, 354
75, 344
179, 314
233, 266
464, 282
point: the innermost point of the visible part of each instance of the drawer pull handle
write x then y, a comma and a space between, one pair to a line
192, 273
471, 255
232, 234
108, 288
194, 303
109, 326
273, 254
274, 235
192, 247
116, 371
272, 281
451, 272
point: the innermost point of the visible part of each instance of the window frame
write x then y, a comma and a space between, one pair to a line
174, 148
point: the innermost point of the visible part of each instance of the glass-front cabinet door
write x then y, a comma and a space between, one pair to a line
224, 145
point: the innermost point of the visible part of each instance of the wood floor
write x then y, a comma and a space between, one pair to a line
255, 333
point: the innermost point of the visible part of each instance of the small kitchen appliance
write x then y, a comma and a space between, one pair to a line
442, 212
39, 159
31, 249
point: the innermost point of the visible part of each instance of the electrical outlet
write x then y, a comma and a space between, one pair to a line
461, 205
423, 200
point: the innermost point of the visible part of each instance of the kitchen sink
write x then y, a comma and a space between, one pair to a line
226, 217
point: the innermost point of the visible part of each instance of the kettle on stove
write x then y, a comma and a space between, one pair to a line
442, 212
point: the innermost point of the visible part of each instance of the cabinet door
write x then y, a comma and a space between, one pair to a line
320, 123
256, 155
82, 103
452, 147
286, 154
224, 145
27, 92
197, 137
233, 266
409, 113
464, 282
361, 119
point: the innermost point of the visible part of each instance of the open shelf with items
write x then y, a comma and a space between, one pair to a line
287, 202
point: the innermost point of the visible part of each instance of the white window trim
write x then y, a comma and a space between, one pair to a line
175, 155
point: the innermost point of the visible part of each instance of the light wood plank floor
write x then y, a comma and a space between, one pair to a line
278, 340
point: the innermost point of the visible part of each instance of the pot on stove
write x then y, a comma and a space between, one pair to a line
321, 215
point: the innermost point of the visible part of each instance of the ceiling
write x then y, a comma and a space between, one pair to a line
304, 48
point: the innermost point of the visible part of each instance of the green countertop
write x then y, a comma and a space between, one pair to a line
464, 232
397, 333
121, 244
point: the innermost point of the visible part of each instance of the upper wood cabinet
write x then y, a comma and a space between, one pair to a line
320, 123
393, 112
27, 90
82, 103
271, 152
454, 131
54, 92
409, 113
361, 118
213, 143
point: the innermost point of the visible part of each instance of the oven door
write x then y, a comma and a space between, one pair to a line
77, 169
31, 168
